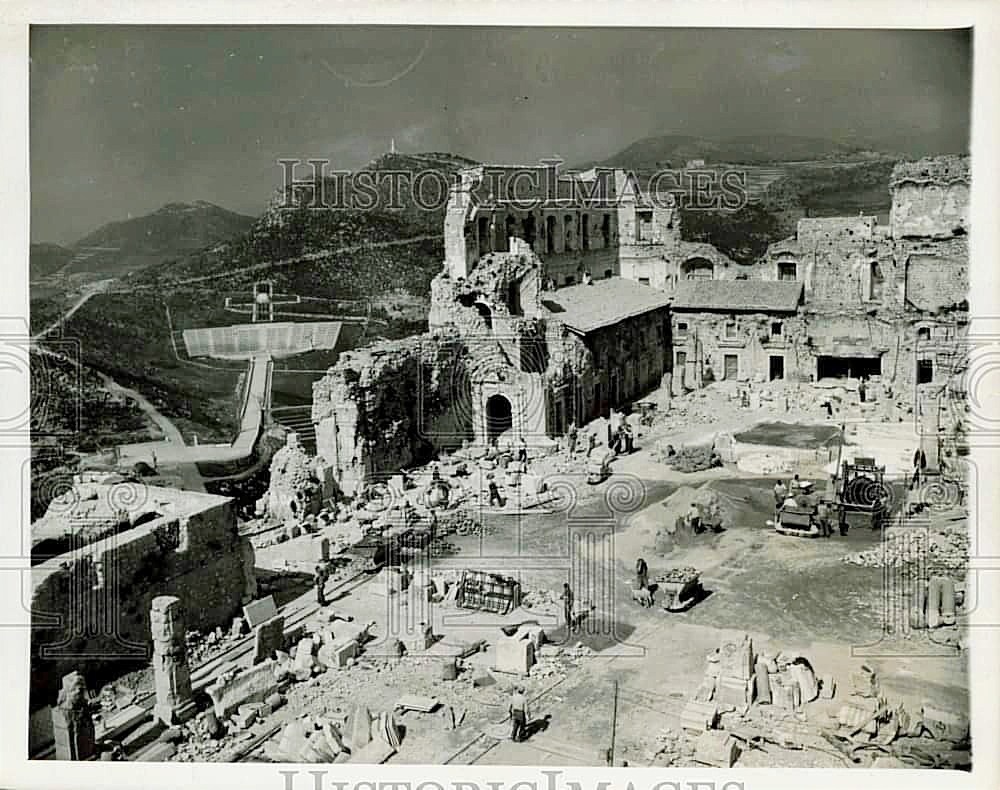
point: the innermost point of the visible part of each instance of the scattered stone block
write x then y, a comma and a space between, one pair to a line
269, 637
305, 660
250, 685
515, 654
142, 736
260, 611
416, 702
172, 735
274, 702
246, 715
293, 739
121, 722
373, 753
699, 716
357, 733
717, 749
337, 654
483, 679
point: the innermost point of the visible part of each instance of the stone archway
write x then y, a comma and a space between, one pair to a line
484, 311
499, 416
697, 269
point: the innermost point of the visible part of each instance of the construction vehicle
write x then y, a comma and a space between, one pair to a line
599, 465
799, 520
860, 495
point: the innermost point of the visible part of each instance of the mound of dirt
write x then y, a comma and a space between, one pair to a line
660, 528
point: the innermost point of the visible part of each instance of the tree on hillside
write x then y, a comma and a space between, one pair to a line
743, 235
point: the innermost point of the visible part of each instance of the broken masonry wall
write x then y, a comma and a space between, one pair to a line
649, 237
391, 405
568, 268
502, 284
736, 346
90, 607
929, 211
294, 479
622, 362
841, 270
930, 197
935, 272
574, 232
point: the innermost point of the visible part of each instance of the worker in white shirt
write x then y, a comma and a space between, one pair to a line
518, 715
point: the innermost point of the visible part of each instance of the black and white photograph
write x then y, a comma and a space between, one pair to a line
506, 394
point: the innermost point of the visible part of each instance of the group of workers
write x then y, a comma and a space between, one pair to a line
796, 494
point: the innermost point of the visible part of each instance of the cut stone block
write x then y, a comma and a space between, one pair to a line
260, 611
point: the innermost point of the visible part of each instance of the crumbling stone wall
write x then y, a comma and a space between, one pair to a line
386, 406
935, 272
90, 607
295, 487
930, 197
707, 338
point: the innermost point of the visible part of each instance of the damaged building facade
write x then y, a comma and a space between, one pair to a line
531, 327
888, 303
561, 297
103, 551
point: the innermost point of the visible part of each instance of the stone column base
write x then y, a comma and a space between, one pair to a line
175, 714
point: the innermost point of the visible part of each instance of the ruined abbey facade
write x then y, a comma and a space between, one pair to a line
562, 297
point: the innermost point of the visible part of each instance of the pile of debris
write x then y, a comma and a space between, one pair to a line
684, 575
202, 647
735, 678
871, 731
542, 601
358, 738
944, 551
669, 747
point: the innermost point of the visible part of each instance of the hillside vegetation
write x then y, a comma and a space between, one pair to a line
675, 150
44, 259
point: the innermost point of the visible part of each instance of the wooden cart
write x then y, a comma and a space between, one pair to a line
680, 590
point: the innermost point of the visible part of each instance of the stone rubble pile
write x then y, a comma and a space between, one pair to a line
944, 551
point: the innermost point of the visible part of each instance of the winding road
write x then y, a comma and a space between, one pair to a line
172, 448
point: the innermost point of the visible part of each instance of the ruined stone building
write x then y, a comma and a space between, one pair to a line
563, 296
532, 327
886, 302
103, 551
733, 330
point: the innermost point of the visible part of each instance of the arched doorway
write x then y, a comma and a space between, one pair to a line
697, 269
485, 312
499, 416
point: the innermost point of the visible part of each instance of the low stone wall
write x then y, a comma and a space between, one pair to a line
769, 459
90, 607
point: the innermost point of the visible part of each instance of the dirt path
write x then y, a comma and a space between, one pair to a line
309, 256
90, 290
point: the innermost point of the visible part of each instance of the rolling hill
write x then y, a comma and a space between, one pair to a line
118, 248
674, 150
46, 259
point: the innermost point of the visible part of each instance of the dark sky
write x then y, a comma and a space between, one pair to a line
125, 119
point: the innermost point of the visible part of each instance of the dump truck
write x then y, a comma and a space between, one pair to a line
860, 495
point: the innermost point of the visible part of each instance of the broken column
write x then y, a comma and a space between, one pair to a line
172, 679
72, 724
